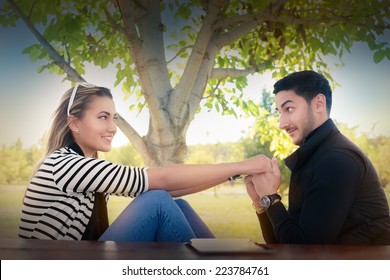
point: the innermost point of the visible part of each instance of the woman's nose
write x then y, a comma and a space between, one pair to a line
113, 128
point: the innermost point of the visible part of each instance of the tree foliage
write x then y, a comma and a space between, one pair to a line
179, 56
16, 163
215, 153
125, 155
267, 138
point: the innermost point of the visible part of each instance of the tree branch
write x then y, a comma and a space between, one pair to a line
227, 23
131, 134
248, 23
242, 24
179, 52
71, 73
130, 30
113, 24
147, 51
223, 73
198, 54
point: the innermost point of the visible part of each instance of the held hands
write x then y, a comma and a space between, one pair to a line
256, 164
265, 183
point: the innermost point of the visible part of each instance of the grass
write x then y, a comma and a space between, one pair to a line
226, 210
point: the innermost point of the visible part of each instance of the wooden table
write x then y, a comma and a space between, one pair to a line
19, 249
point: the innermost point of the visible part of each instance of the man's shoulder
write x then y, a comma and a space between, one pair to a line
340, 142
340, 146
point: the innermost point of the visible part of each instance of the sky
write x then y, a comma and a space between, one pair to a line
28, 99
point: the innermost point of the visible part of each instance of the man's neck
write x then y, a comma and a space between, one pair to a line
314, 130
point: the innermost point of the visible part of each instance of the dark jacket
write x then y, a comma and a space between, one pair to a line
335, 196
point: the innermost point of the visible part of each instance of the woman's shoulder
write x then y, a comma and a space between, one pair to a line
61, 153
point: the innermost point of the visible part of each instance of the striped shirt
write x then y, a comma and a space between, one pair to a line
59, 200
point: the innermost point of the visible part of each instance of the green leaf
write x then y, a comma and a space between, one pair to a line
139, 107
208, 105
41, 69
184, 11
126, 87
183, 55
379, 56
371, 42
51, 31
388, 53
253, 108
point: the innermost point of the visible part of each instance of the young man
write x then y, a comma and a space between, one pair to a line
335, 196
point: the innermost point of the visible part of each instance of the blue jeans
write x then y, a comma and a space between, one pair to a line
155, 216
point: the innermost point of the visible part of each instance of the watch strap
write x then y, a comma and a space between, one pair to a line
274, 197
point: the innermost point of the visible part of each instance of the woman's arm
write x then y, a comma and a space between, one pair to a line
182, 179
186, 191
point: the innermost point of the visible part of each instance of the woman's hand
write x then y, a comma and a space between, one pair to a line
256, 164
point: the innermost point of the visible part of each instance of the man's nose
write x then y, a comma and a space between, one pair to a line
283, 122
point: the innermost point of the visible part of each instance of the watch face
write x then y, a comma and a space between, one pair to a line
265, 202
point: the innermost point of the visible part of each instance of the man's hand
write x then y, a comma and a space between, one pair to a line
250, 189
267, 183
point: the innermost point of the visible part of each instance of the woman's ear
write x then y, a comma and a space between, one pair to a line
73, 124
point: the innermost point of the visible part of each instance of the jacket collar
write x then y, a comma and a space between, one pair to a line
76, 148
311, 143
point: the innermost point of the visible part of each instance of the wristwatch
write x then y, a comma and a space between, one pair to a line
267, 200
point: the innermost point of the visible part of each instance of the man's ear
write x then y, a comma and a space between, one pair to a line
73, 124
320, 103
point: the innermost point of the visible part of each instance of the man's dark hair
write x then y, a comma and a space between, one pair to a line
307, 84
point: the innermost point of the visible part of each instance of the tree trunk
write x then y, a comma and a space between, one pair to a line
169, 147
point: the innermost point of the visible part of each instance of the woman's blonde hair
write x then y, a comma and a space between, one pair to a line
59, 134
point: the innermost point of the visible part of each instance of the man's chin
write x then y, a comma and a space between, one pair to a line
297, 141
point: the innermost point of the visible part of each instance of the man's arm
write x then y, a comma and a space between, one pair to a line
324, 204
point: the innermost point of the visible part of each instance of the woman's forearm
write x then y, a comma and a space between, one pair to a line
183, 179
187, 191
186, 176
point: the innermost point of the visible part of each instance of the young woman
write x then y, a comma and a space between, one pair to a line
66, 199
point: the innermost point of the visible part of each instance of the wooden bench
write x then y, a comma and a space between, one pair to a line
20, 249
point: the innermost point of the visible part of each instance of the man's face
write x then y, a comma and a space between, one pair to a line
296, 115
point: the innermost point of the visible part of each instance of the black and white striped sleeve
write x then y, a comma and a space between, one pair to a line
77, 174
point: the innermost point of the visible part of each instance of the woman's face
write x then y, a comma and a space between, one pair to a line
96, 129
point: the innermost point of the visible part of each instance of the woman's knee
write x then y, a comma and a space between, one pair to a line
182, 203
155, 194
156, 198
147, 203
